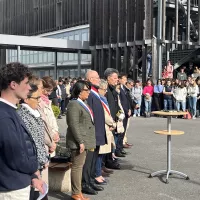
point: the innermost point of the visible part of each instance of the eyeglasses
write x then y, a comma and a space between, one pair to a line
85, 90
96, 77
36, 98
105, 90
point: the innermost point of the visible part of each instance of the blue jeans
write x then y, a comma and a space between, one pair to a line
182, 104
147, 105
137, 111
193, 105
99, 165
167, 104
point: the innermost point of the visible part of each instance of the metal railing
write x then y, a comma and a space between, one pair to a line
184, 2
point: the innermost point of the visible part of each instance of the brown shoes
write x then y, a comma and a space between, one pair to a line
108, 171
126, 146
79, 197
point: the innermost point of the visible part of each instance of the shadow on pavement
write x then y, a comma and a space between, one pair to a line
60, 195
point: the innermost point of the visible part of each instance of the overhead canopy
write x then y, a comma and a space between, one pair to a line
35, 43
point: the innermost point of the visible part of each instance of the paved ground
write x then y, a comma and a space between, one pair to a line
148, 155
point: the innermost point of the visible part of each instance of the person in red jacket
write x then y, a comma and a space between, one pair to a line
148, 92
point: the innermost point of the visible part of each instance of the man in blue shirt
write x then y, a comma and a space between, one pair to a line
18, 157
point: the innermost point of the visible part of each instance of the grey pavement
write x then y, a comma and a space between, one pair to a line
148, 155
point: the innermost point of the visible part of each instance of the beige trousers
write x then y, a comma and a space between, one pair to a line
125, 136
22, 194
78, 160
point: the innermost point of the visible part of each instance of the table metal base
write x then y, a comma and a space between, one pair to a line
169, 172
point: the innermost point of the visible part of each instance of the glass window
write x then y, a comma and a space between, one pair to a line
77, 37
51, 73
60, 73
66, 56
75, 56
40, 57
31, 58
47, 73
84, 56
41, 73
83, 71
45, 57
71, 56
72, 73
60, 57
50, 57
84, 36
71, 37
76, 72
66, 73
35, 57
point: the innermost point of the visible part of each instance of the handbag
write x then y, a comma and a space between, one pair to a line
120, 127
187, 115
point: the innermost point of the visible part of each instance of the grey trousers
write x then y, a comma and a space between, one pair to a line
78, 161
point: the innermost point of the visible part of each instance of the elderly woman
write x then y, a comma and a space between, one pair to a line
34, 123
110, 125
80, 134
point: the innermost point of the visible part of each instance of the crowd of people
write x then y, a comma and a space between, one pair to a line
98, 113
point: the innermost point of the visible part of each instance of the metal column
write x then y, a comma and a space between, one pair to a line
18, 54
79, 63
188, 23
55, 66
176, 23
199, 19
159, 36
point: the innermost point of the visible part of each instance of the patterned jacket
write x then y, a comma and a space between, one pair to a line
35, 125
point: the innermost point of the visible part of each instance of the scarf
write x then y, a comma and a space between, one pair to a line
45, 99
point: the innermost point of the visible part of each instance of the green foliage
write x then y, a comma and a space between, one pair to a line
56, 110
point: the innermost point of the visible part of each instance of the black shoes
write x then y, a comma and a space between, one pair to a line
123, 152
97, 187
111, 164
100, 183
89, 190
119, 154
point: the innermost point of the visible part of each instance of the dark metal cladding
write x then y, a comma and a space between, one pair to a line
130, 20
139, 19
114, 21
99, 23
122, 21
148, 19
33, 17
106, 21
92, 23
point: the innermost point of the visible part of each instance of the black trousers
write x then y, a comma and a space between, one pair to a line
120, 137
158, 101
89, 167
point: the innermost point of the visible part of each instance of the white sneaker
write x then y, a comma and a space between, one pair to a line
138, 115
193, 117
134, 115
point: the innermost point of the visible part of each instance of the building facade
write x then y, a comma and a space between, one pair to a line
61, 19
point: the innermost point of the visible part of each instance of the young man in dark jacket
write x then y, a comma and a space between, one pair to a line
18, 159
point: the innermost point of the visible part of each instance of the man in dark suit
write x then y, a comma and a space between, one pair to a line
112, 97
88, 179
124, 98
